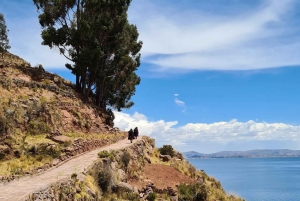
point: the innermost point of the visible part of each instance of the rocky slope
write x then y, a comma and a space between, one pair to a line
44, 121
138, 172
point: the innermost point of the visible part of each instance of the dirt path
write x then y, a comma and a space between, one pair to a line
19, 189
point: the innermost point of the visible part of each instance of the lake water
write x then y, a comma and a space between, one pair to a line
256, 179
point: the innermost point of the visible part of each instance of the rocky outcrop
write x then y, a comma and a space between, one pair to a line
165, 158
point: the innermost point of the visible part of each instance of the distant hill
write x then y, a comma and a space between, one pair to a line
256, 153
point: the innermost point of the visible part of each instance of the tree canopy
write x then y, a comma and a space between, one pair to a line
4, 41
101, 44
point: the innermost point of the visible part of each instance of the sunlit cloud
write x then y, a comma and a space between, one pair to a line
212, 137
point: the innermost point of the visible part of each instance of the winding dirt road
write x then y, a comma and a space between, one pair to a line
21, 188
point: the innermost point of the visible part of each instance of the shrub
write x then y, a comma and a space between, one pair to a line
125, 159
37, 127
201, 194
103, 154
104, 179
151, 197
195, 192
167, 150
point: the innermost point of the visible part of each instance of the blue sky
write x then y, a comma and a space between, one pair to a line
216, 75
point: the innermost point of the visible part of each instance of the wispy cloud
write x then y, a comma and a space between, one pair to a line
184, 38
179, 102
218, 136
179, 38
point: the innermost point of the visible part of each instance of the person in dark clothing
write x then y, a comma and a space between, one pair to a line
130, 135
136, 132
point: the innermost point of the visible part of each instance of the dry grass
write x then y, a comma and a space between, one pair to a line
20, 165
38, 139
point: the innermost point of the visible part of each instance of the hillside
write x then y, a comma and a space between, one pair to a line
45, 126
256, 153
137, 172
44, 121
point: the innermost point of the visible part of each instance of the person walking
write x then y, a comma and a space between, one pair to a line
130, 135
136, 132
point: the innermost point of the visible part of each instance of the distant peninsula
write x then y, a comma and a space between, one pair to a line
256, 153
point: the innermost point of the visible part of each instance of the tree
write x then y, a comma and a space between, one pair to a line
96, 37
4, 42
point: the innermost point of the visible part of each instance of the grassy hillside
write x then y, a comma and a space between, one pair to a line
40, 117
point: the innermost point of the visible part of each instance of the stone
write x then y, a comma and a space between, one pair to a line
147, 159
124, 186
121, 174
55, 162
165, 158
90, 191
61, 139
135, 190
174, 198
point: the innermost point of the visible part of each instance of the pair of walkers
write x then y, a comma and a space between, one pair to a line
133, 134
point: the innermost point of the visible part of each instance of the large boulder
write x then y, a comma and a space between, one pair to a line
165, 158
124, 186
61, 139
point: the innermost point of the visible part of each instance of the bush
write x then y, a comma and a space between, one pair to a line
125, 159
151, 197
103, 154
195, 192
201, 194
104, 179
38, 127
167, 150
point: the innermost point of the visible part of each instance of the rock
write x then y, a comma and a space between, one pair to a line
90, 191
147, 159
55, 162
61, 139
165, 158
10, 111
135, 190
121, 174
55, 79
124, 186
174, 198
199, 180
81, 177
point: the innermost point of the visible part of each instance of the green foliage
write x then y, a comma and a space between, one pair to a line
103, 154
101, 43
104, 179
43, 149
167, 150
74, 175
151, 197
38, 127
196, 192
4, 42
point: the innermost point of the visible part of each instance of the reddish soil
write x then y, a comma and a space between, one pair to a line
162, 176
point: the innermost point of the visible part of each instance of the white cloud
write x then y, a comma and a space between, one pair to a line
218, 136
181, 38
179, 102
191, 39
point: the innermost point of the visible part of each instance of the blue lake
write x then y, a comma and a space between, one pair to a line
256, 179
